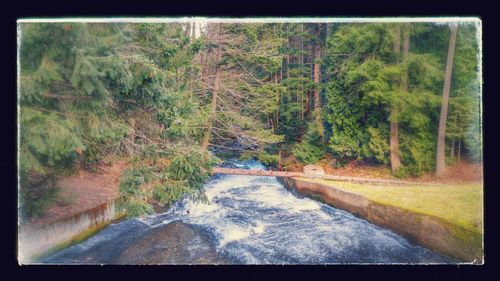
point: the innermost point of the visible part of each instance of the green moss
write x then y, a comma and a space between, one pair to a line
472, 240
317, 198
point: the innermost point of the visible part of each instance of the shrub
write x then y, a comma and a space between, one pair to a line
165, 181
37, 195
307, 153
378, 145
267, 158
310, 149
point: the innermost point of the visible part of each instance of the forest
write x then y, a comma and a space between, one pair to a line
178, 98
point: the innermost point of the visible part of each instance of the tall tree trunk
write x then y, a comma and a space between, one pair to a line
193, 34
459, 150
301, 62
187, 32
452, 149
310, 62
280, 165
317, 102
394, 126
277, 111
328, 29
406, 52
440, 161
272, 122
215, 93
317, 56
191, 31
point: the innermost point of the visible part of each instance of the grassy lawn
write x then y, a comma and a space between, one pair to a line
461, 204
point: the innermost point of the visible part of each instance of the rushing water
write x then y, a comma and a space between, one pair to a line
249, 220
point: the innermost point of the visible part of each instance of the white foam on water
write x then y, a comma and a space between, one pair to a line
324, 215
325, 228
278, 197
259, 228
199, 209
230, 182
231, 233
147, 220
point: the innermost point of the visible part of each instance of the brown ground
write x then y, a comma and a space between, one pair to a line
462, 172
83, 191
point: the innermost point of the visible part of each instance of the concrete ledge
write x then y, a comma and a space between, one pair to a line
431, 232
36, 242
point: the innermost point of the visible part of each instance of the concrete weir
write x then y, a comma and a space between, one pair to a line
34, 242
431, 232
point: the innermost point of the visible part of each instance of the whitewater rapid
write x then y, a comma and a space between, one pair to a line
255, 220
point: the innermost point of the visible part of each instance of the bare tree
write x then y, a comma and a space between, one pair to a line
215, 93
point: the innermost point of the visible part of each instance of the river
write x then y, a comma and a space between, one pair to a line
249, 220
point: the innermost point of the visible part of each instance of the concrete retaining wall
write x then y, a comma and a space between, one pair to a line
431, 232
36, 242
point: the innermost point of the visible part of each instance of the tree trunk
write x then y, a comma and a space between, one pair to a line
193, 34
317, 101
187, 32
440, 161
328, 29
191, 31
279, 104
301, 73
406, 52
215, 93
452, 149
394, 126
317, 56
272, 121
310, 58
459, 149
277, 120
280, 165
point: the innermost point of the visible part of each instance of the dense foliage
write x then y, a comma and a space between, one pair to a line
366, 87
92, 90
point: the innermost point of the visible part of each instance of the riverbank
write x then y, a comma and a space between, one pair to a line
447, 219
89, 206
82, 191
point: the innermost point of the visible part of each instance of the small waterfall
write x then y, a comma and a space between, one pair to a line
255, 220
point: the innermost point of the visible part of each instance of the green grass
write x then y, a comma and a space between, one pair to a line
460, 204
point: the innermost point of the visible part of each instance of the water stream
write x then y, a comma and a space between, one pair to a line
249, 220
